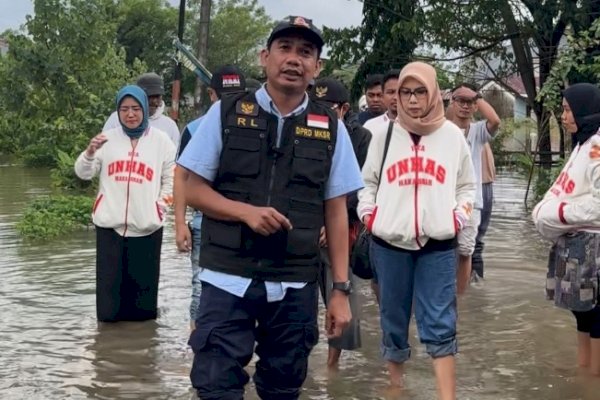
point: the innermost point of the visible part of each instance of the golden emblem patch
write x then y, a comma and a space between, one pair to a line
247, 108
321, 91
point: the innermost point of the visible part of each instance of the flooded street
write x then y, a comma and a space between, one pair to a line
513, 343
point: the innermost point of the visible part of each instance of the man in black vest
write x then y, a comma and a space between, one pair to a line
268, 170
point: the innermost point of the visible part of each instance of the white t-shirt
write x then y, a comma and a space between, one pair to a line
378, 124
477, 136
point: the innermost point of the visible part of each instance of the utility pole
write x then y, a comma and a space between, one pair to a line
176, 92
203, 31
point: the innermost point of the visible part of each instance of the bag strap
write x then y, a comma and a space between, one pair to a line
388, 138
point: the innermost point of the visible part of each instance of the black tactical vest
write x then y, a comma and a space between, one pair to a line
289, 176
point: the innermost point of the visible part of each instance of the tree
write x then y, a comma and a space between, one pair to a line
387, 39
238, 30
579, 62
58, 82
522, 35
146, 29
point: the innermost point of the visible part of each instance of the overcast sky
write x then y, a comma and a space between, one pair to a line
332, 13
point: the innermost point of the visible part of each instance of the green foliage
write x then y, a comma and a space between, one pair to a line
146, 29
238, 31
63, 176
387, 38
238, 42
534, 29
579, 59
52, 216
58, 81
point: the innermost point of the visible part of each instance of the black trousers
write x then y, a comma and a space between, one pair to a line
486, 215
227, 329
127, 273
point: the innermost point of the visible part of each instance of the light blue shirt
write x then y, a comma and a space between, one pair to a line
202, 155
196, 215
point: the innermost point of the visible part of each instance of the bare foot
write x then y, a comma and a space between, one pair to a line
393, 392
396, 372
333, 358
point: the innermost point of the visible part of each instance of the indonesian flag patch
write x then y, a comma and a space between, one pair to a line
317, 121
231, 81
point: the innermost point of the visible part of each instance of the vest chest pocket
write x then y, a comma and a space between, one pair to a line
241, 156
308, 166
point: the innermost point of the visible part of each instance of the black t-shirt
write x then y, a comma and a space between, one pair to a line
364, 116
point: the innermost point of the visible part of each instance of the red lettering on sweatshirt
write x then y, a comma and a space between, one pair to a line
427, 166
136, 168
563, 183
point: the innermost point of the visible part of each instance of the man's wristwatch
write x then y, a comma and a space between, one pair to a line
344, 287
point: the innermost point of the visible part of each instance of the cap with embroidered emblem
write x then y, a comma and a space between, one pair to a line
301, 25
329, 90
228, 78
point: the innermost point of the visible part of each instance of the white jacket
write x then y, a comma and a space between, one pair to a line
573, 202
428, 189
158, 121
136, 183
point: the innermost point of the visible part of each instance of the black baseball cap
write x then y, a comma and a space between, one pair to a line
227, 79
152, 84
298, 24
329, 90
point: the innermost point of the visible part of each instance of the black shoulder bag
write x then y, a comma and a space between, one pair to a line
359, 256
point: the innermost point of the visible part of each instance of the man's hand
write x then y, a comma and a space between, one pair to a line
265, 220
96, 142
183, 238
323, 237
338, 314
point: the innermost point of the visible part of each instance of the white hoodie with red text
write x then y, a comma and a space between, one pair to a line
427, 191
573, 202
136, 182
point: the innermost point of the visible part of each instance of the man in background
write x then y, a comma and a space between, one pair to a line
390, 102
374, 96
334, 95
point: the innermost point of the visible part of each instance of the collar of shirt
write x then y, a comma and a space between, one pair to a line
266, 103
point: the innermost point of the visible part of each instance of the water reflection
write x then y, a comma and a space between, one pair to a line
513, 344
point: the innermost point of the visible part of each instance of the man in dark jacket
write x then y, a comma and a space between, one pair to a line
334, 95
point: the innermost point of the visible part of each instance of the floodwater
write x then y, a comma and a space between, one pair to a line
513, 343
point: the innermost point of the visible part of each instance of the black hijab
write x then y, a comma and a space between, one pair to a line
584, 100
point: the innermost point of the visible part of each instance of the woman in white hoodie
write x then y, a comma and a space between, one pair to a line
569, 216
417, 196
135, 163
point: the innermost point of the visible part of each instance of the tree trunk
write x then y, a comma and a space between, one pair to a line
202, 51
544, 140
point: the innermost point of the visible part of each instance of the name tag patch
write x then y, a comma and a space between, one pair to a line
313, 133
247, 122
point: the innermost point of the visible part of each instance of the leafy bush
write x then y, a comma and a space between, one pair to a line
63, 176
51, 216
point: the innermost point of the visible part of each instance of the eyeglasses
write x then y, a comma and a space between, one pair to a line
420, 93
125, 110
463, 102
